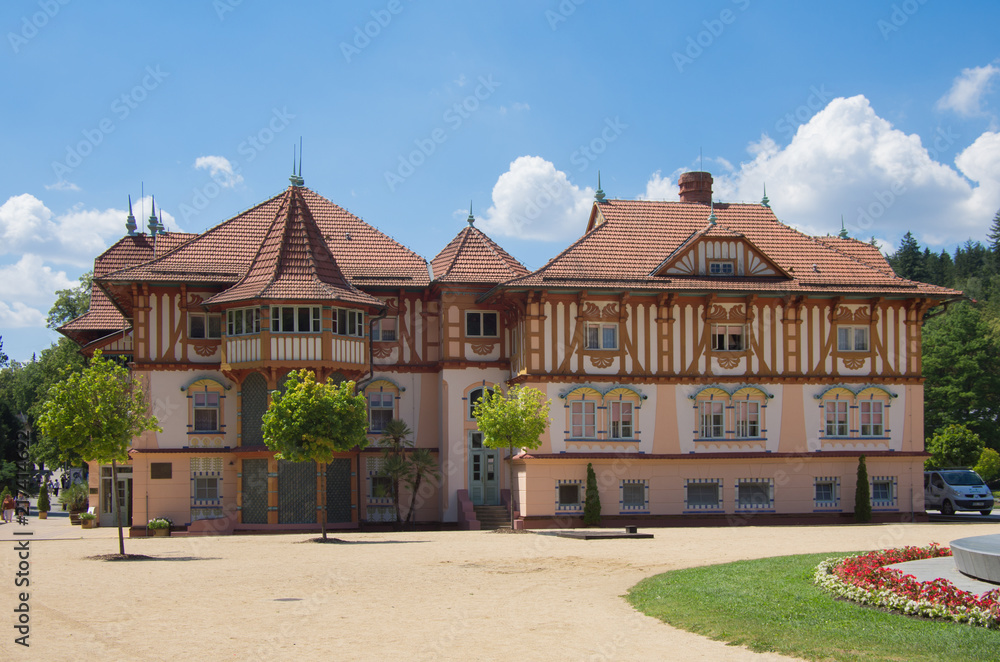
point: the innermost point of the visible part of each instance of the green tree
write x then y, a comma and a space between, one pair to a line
95, 414
422, 465
312, 421
70, 303
908, 261
395, 440
592, 500
988, 466
953, 446
961, 368
862, 494
516, 420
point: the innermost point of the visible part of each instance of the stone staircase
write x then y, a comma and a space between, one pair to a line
492, 518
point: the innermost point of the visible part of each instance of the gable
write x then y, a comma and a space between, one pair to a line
719, 256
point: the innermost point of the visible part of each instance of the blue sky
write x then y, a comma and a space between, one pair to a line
883, 112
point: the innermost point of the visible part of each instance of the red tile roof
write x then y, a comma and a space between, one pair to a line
472, 257
126, 252
861, 251
224, 253
294, 262
635, 236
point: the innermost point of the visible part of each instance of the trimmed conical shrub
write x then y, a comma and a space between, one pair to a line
862, 494
592, 502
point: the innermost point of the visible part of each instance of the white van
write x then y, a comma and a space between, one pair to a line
949, 490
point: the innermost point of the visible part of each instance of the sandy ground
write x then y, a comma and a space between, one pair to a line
383, 596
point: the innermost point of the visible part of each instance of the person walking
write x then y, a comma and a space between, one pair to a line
54, 484
9, 504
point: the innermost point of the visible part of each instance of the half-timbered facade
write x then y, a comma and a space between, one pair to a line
708, 360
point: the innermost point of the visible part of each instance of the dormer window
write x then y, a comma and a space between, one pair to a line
721, 268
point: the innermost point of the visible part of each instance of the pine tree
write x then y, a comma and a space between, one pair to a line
908, 261
43, 499
994, 235
862, 494
592, 502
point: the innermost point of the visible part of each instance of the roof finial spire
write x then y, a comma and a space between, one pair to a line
296, 179
153, 224
599, 196
711, 216
130, 223
764, 201
471, 219
843, 230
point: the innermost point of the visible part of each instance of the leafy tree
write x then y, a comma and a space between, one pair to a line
994, 241
4, 359
71, 303
516, 420
988, 466
422, 465
312, 421
908, 261
953, 446
961, 367
395, 439
95, 414
862, 494
592, 501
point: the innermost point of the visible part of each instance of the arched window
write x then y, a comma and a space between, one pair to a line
475, 396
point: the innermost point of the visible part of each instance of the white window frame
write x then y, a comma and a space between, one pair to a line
627, 485
853, 338
746, 419
481, 316
206, 320
711, 419
889, 483
580, 495
473, 399
347, 322
242, 321
386, 401
834, 499
579, 412
725, 268
206, 397
748, 487
724, 340
832, 419
688, 484
309, 317
385, 329
876, 409
624, 426
598, 335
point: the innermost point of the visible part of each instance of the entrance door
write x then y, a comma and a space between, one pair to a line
484, 481
106, 516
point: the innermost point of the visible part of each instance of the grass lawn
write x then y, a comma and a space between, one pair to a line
772, 605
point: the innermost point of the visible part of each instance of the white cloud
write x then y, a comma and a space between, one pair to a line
660, 188
533, 200
19, 315
62, 185
848, 160
967, 91
29, 279
517, 105
74, 237
220, 169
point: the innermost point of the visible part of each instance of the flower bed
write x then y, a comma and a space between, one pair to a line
865, 580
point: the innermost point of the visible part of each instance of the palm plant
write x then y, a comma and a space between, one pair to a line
395, 440
422, 464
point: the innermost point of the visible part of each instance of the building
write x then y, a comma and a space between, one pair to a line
709, 361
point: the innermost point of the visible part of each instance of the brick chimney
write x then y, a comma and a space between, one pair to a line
696, 187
